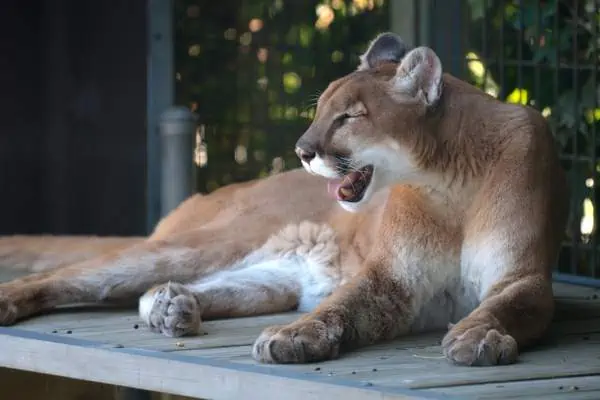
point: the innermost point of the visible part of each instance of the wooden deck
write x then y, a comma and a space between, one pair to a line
111, 346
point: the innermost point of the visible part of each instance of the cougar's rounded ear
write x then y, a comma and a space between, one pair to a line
419, 75
386, 47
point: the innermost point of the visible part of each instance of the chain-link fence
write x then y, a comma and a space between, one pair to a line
545, 54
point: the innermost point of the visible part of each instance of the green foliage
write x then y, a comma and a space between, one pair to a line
252, 71
548, 50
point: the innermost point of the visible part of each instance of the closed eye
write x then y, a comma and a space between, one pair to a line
346, 116
343, 118
339, 120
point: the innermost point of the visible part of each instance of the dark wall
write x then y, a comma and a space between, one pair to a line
20, 120
72, 132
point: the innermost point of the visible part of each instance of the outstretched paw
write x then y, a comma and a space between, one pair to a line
479, 345
300, 342
171, 309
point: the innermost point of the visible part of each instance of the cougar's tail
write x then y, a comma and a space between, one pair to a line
26, 254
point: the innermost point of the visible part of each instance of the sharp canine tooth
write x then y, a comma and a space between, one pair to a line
346, 192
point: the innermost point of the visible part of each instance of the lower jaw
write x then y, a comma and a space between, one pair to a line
354, 204
350, 207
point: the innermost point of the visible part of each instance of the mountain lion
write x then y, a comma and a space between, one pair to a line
423, 204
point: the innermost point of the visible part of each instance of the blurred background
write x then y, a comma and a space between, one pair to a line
84, 83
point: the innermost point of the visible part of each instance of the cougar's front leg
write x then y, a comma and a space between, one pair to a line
373, 306
514, 314
121, 276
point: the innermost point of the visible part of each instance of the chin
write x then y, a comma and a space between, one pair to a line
352, 207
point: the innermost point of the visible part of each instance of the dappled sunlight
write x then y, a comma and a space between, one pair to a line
587, 225
337, 56
241, 154
363, 4
546, 112
262, 54
290, 113
483, 78
194, 50
592, 115
326, 11
309, 114
255, 25
518, 96
246, 38
200, 151
230, 34
263, 82
277, 165
587, 222
251, 73
291, 82
325, 16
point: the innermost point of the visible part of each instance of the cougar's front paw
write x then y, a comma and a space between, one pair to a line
300, 342
171, 309
8, 311
479, 345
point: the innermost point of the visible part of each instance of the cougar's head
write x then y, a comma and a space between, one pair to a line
369, 124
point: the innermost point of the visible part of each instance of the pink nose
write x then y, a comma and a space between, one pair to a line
306, 156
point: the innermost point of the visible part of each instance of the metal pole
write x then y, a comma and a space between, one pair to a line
402, 20
447, 26
177, 131
160, 95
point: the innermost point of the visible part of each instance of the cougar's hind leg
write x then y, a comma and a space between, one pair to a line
296, 268
124, 275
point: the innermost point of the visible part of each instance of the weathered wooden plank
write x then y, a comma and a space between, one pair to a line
410, 367
170, 373
118, 327
587, 387
125, 328
572, 348
233, 332
567, 359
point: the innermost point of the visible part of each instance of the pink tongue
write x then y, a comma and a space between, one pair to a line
334, 185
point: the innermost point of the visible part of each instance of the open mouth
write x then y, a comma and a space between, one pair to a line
351, 187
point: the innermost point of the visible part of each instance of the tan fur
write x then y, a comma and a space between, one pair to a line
462, 225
